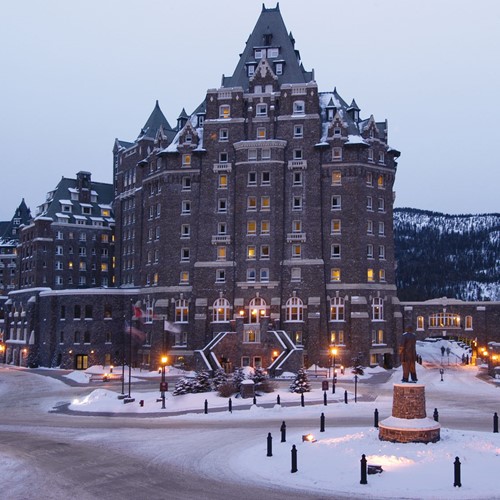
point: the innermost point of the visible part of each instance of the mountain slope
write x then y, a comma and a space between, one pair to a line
447, 255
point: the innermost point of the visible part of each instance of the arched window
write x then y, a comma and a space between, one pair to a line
181, 311
377, 309
294, 309
221, 311
337, 309
257, 309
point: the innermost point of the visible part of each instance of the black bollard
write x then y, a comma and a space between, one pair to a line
345, 397
356, 388
495, 422
322, 423
324, 398
457, 481
230, 403
294, 459
363, 470
283, 432
206, 406
302, 399
436, 415
278, 400
269, 445
254, 400
375, 418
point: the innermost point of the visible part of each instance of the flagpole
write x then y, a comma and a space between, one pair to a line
123, 354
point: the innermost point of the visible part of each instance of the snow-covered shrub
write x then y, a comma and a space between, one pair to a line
202, 382
301, 382
184, 386
238, 377
220, 378
226, 390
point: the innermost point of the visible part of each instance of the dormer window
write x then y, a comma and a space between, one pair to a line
250, 70
330, 114
105, 212
337, 132
224, 111
188, 139
201, 120
259, 53
66, 208
274, 52
278, 68
299, 108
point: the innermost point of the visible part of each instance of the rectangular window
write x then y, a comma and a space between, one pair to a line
369, 227
369, 203
297, 178
278, 69
336, 178
222, 205
335, 251
381, 252
265, 227
222, 181
251, 227
381, 205
252, 203
261, 109
296, 226
186, 160
221, 253
296, 274
224, 111
264, 252
336, 226
223, 157
296, 251
265, 179
266, 154
185, 231
221, 228
185, 254
251, 275
298, 131
369, 179
381, 275
264, 275
297, 203
186, 183
337, 154
252, 154
299, 108
251, 252
88, 311
336, 202
335, 274
381, 158
370, 155
265, 203
261, 133
252, 179
186, 207
369, 251
370, 275
297, 154
223, 134
380, 181
381, 228
220, 276
184, 277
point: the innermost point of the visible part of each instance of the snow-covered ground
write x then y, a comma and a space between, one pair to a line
331, 464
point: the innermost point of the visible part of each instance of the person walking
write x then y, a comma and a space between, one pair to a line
408, 354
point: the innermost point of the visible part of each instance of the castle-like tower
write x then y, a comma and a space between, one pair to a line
268, 209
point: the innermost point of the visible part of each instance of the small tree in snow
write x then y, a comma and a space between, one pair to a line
202, 382
220, 378
301, 382
259, 375
183, 386
238, 377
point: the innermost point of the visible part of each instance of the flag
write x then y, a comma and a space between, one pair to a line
137, 311
168, 326
135, 332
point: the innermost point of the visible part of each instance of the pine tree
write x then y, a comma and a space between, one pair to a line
259, 375
183, 386
202, 382
238, 377
220, 378
301, 382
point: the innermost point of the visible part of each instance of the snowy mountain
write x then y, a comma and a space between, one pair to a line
438, 255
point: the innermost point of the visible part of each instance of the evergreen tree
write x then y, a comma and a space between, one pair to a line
202, 382
301, 382
220, 378
259, 375
238, 377
183, 386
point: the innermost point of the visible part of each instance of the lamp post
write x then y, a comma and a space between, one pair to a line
163, 385
130, 346
334, 353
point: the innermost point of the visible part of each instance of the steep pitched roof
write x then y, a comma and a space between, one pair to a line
270, 32
154, 122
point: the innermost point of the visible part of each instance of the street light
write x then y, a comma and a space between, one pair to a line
163, 385
334, 353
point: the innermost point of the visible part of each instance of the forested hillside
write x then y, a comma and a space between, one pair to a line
439, 255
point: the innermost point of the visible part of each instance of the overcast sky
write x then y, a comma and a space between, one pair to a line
76, 74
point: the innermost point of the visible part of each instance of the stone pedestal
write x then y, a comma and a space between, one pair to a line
409, 422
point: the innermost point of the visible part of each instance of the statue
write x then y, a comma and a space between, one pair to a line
408, 355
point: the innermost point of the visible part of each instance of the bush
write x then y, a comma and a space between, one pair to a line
266, 386
226, 390
184, 386
220, 378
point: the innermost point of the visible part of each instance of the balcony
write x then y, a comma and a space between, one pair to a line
296, 237
218, 239
222, 167
297, 164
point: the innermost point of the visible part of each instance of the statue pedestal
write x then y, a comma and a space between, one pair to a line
409, 422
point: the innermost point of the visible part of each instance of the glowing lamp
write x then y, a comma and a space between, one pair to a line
164, 360
309, 438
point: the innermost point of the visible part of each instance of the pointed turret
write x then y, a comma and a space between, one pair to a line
353, 111
269, 40
155, 120
182, 119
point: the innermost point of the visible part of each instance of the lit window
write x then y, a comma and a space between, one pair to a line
221, 253
221, 311
381, 274
261, 133
224, 111
104, 267
420, 322
335, 251
377, 336
377, 309
370, 275
251, 253
296, 226
299, 108
265, 227
251, 227
336, 202
186, 160
298, 131
296, 251
337, 309
181, 311
380, 181
252, 203
184, 278
222, 181
468, 322
336, 178
336, 226
335, 274
265, 203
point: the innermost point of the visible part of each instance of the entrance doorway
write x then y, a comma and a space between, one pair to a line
81, 362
